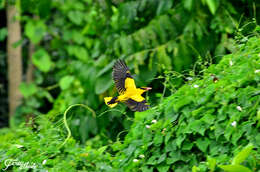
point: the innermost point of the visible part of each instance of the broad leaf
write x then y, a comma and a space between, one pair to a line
234, 168
213, 5
35, 30
203, 144
241, 156
76, 17
66, 81
42, 60
103, 83
27, 90
3, 33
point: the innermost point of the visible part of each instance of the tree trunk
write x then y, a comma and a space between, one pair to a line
14, 59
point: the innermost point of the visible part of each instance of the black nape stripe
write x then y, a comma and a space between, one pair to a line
128, 75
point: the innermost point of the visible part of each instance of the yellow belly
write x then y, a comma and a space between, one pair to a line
131, 93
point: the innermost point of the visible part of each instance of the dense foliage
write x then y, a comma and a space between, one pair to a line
77, 41
200, 127
205, 104
205, 120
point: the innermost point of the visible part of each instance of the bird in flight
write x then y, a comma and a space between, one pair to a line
128, 93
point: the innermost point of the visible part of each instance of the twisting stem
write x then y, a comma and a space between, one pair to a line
65, 120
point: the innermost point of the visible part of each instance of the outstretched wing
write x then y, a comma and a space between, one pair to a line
122, 76
137, 106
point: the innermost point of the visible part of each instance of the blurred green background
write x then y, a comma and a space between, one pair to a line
68, 47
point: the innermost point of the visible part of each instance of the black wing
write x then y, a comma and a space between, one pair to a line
137, 106
120, 73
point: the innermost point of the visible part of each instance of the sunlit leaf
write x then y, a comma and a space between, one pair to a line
212, 163
188, 4
27, 90
213, 5
66, 81
76, 17
42, 60
234, 168
2, 4
35, 30
241, 156
3, 33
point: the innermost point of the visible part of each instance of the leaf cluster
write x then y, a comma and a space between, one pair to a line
77, 41
207, 125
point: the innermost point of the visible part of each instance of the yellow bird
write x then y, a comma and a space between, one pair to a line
128, 93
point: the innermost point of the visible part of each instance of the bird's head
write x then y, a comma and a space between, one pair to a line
144, 89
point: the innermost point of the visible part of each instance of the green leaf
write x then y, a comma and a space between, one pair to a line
234, 168
139, 116
161, 158
208, 118
42, 60
35, 30
182, 102
241, 156
174, 158
158, 139
103, 83
2, 4
108, 67
89, 29
103, 166
188, 4
163, 168
76, 17
187, 145
3, 33
27, 90
180, 139
81, 53
67, 35
146, 169
164, 6
163, 58
126, 44
66, 81
102, 149
213, 5
78, 37
195, 169
203, 144
197, 126
212, 164
152, 160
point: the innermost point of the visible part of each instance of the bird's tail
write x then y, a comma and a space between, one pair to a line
111, 101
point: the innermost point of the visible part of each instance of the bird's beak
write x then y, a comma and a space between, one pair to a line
148, 88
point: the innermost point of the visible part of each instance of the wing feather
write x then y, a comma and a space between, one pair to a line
120, 73
137, 106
